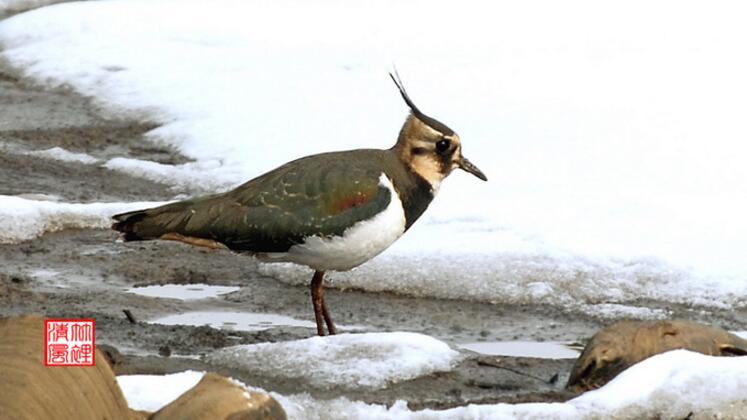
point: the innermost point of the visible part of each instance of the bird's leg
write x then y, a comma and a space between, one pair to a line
320, 307
328, 319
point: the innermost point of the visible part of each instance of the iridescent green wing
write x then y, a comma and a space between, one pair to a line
319, 195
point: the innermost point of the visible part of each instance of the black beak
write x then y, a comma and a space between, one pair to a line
465, 164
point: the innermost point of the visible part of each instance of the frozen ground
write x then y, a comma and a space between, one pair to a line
614, 156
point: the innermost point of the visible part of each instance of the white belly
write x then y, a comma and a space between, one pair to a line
358, 243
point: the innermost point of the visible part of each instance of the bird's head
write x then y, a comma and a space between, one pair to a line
429, 147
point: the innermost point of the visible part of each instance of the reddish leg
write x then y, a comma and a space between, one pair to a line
328, 319
321, 313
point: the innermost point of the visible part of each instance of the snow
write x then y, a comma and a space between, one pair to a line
183, 291
58, 153
370, 360
669, 385
22, 219
614, 311
614, 147
587, 285
151, 392
189, 175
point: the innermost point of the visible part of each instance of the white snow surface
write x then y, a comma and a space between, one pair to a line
370, 360
58, 153
612, 134
152, 392
667, 386
22, 219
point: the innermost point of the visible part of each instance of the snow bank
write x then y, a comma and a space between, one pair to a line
671, 385
22, 219
668, 386
369, 360
596, 286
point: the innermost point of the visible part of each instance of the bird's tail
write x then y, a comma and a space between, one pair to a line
153, 223
126, 222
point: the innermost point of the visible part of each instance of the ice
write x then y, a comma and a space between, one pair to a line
544, 350
670, 385
615, 156
183, 291
22, 219
243, 321
152, 392
58, 153
370, 360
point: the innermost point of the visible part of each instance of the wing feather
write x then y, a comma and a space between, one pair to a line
319, 195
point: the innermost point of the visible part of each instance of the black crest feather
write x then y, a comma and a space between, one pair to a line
432, 122
398, 82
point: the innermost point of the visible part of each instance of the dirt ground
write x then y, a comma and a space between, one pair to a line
85, 274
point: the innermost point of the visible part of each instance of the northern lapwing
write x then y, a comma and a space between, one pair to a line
331, 211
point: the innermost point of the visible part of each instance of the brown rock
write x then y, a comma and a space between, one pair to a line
30, 390
215, 397
626, 343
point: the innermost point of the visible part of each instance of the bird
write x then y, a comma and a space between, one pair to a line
331, 211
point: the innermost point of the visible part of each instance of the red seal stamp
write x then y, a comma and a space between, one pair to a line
69, 342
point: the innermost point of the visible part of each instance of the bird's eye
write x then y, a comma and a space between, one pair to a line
442, 145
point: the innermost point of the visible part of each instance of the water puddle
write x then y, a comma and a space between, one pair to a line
183, 291
543, 350
243, 321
